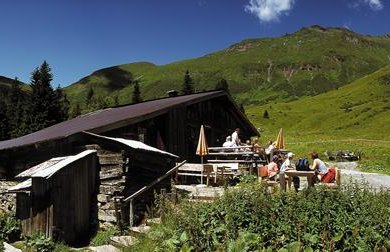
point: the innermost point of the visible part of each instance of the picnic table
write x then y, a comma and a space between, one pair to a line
294, 173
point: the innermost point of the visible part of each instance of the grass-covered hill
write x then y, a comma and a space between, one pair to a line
310, 61
6, 84
354, 117
360, 109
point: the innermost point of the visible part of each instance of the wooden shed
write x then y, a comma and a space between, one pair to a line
59, 197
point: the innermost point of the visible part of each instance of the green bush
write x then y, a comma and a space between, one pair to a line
39, 242
9, 228
248, 219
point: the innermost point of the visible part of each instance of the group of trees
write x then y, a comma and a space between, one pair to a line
188, 84
26, 111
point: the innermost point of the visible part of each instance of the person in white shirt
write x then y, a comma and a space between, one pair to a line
287, 164
228, 142
235, 138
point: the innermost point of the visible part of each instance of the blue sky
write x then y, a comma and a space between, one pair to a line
77, 37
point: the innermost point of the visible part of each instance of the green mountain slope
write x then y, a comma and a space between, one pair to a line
6, 83
311, 61
360, 109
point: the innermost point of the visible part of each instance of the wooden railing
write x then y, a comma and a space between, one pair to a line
131, 198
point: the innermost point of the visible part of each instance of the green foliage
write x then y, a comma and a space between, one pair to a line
102, 237
39, 242
265, 114
354, 218
188, 84
222, 85
9, 228
136, 93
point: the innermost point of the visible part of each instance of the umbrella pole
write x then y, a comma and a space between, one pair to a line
201, 177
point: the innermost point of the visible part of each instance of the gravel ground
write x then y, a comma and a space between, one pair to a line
348, 172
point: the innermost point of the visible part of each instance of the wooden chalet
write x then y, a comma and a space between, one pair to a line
134, 145
170, 124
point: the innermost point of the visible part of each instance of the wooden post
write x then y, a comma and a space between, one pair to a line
310, 181
118, 202
282, 181
131, 213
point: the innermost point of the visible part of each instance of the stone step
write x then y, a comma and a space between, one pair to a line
142, 229
104, 248
10, 248
153, 221
123, 241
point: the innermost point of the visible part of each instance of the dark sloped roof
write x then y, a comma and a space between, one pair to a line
112, 118
107, 119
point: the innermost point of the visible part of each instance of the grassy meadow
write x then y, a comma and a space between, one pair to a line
354, 117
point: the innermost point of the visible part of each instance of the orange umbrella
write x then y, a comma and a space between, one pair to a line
279, 143
202, 148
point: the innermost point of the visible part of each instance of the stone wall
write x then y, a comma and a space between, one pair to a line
7, 200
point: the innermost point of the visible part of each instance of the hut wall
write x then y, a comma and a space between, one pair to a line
63, 206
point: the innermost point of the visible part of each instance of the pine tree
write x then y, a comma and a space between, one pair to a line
266, 115
222, 85
62, 104
4, 125
76, 111
16, 110
89, 96
45, 104
188, 85
136, 93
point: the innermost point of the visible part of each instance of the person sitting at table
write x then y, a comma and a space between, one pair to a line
256, 148
248, 145
269, 149
228, 142
324, 174
235, 138
273, 168
287, 164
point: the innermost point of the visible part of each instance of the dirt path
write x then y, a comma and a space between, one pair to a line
349, 171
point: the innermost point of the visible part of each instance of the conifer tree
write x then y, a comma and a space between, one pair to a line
17, 110
45, 107
136, 93
4, 125
266, 114
222, 85
188, 85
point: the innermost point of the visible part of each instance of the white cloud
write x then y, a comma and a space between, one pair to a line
270, 10
374, 4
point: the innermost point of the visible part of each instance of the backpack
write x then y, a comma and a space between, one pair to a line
302, 164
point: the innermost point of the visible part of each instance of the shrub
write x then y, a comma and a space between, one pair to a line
248, 219
39, 242
9, 228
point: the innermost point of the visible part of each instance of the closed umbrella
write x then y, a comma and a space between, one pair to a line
279, 143
202, 148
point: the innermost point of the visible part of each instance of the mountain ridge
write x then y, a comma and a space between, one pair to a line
310, 61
